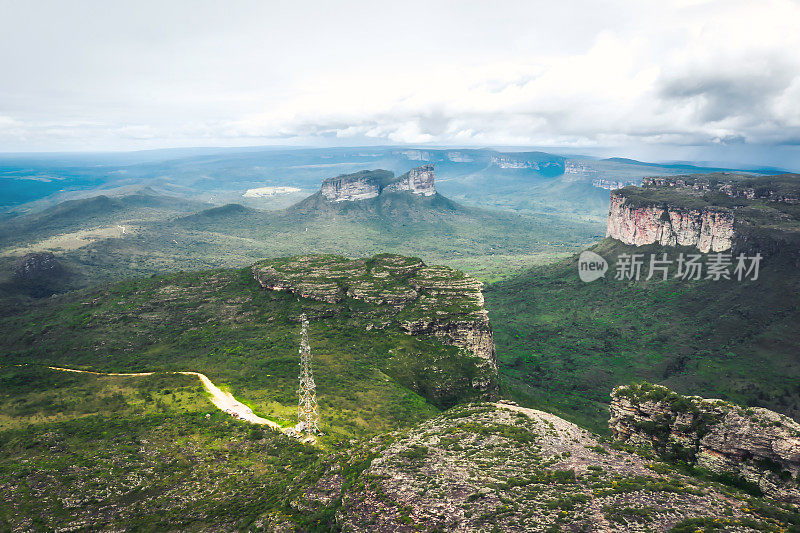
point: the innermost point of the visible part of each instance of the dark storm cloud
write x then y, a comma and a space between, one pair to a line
722, 96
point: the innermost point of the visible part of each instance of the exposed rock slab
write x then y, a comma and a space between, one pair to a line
755, 444
417, 181
358, 186
500, 467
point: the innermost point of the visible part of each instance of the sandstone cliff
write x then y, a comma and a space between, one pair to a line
709, 229
712, 212
417, 181
754, 444
432, 300
372, 183
359, 186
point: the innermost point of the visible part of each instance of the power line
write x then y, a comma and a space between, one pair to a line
307, 410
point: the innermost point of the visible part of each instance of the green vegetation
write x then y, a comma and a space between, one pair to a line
753, 201
152, 452
165, 467
35, 394
489, 243
564, 344
95, 212
222, 324
493, 480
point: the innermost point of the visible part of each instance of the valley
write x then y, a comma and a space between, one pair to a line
564, 343
399, 267
490, 244
512, 396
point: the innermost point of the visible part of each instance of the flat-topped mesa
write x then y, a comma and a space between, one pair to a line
755, 444
419, 299
395, 295
712, 212
709, 229
372, 183
358, 186
782, 188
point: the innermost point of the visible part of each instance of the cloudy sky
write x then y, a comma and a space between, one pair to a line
654, 79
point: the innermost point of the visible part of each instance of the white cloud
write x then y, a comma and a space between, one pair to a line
534, 73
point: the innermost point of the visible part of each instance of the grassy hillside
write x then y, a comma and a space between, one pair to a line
434, 228
565, 344
488, 244
139, 453
90, 213
222, 324
152, 453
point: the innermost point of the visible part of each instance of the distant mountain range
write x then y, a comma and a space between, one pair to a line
524, 182
364, 213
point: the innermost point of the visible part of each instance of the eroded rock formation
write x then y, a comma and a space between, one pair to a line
359, 186
754, 444
709, 229
420, 299
712, 212
501, 467
417, 181
371, 183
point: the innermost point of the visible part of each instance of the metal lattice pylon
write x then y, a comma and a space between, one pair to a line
307, 411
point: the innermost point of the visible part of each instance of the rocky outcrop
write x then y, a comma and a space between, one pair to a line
712, 212
420, 299
417, 181
350, 187
709, 229
372, 183
501, 467
756, 445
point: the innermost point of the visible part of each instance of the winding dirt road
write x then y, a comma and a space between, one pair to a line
222, 400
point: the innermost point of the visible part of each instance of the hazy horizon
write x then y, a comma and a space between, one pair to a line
703, 159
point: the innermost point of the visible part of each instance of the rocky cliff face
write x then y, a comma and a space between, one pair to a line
754, 444
358, 186
417, 181
422, 300
371, 183
712, 212
709, 229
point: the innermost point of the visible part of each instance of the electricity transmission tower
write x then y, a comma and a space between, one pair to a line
307, 412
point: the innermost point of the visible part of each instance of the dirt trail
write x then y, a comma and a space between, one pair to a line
222, 400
